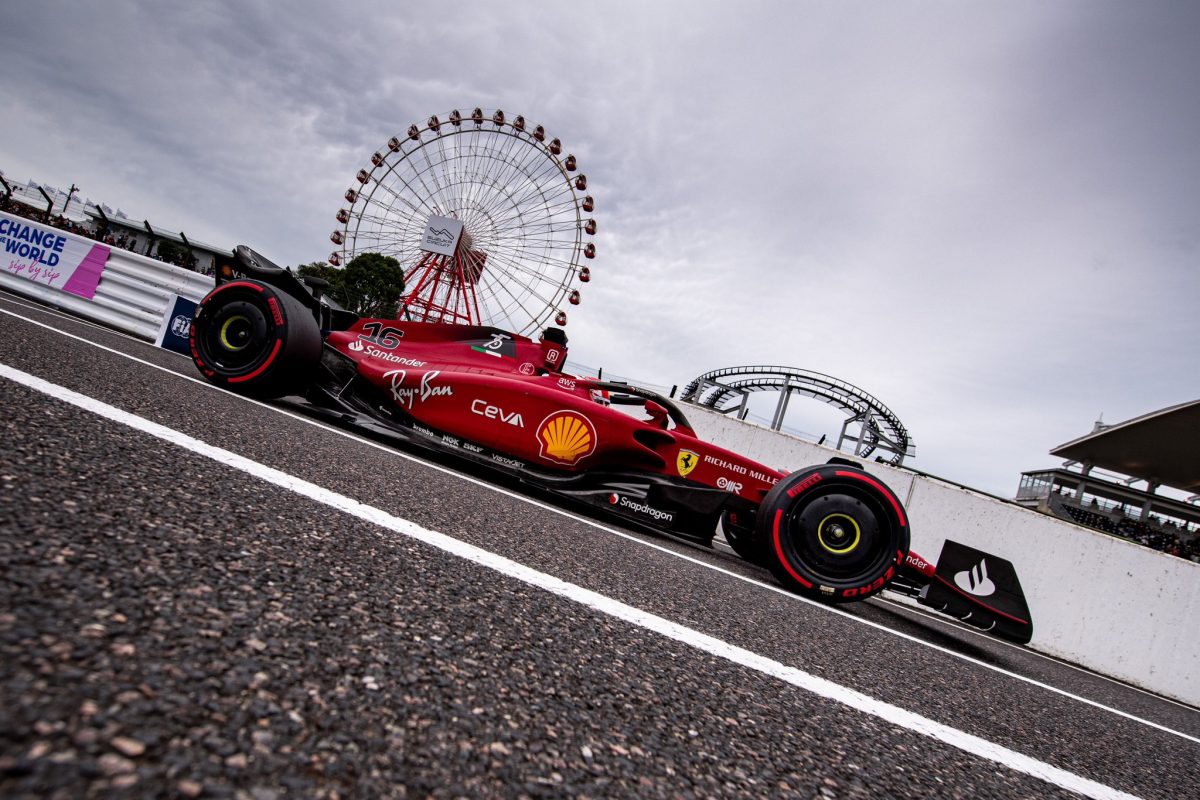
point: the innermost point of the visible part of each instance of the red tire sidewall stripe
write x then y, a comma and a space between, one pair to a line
265, 364
223, 287
779, 552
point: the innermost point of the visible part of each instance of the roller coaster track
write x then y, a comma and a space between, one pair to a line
726, 390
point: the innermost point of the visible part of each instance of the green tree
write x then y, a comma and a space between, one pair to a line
370, 285
374, 284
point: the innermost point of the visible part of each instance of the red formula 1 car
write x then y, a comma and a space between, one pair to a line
501, 401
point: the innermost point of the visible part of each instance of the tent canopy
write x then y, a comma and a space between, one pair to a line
1161, 447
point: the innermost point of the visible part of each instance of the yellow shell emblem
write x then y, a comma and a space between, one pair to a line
566, 437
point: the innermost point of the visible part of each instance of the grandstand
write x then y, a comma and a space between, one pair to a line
64, 209
1095, 487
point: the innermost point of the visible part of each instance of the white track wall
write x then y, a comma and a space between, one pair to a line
1109, 605
134, 294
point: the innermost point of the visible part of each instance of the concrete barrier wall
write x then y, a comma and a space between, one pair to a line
1109, 605
134, 294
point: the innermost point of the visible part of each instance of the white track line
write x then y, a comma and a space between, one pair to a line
821, 687
635, 539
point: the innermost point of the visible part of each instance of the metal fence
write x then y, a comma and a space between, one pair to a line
134, 295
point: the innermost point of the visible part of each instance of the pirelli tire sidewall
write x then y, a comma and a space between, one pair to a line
812, 524
256, 340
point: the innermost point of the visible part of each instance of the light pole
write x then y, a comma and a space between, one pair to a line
70, 194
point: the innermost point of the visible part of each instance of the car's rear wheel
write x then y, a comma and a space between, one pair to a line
255, 340
740, 535
833, 533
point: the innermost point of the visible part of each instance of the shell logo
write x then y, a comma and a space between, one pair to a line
566, 437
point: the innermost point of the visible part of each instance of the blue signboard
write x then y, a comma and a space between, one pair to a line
178, 325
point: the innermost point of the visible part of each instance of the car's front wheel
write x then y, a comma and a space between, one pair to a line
833, 533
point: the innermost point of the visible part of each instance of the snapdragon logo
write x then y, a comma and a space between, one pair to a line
641, 508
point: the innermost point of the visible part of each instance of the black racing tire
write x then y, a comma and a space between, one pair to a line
256, 340
742, 538
833, 533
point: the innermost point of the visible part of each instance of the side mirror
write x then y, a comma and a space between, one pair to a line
658, 414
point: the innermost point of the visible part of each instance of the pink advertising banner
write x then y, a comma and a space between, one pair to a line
46, 255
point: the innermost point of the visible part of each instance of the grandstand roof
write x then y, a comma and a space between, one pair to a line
1162, 446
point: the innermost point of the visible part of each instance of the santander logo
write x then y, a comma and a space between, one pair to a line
975, 581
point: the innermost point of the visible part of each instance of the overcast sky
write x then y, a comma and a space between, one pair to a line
984, 214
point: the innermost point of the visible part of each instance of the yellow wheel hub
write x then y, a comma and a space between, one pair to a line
228, 345
839, 534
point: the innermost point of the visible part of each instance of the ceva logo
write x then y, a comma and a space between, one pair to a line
975, 581
486, 409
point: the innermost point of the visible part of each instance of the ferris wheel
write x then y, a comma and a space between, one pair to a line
485, 216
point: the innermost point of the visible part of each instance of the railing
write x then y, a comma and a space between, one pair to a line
134, 295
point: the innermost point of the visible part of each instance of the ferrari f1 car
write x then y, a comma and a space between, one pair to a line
502, 402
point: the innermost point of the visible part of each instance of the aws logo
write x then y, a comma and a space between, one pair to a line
566, 437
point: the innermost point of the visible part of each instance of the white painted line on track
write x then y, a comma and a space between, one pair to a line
627, 536
968, 743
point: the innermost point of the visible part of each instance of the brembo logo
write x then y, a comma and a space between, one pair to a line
640, 508
975, 580
484, 409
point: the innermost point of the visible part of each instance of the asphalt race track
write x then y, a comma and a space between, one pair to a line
205, 596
